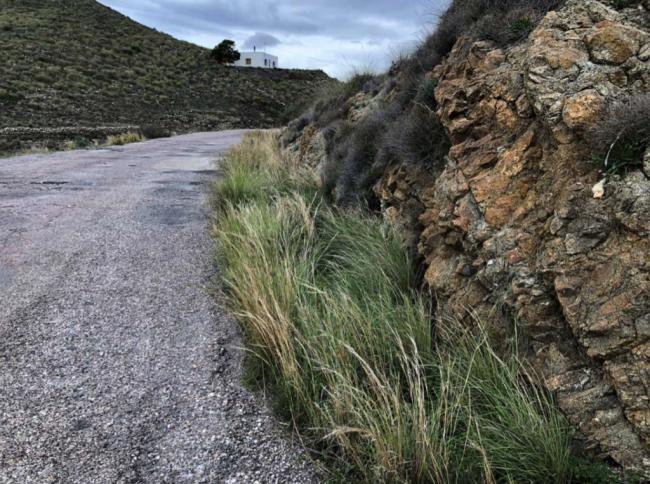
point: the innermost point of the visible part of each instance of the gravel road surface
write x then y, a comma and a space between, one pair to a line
116, 364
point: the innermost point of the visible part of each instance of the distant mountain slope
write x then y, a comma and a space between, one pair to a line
79, 63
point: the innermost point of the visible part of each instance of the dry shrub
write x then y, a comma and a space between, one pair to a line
622, 135
503, 21
357, 155
334, 135
329, 105
510, 27
417, 138
621, 4
124, 138
333, 100
296, 126
152, 131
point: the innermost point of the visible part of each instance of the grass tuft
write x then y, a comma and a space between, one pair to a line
255, 171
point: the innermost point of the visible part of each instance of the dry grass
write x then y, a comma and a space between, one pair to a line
125, 138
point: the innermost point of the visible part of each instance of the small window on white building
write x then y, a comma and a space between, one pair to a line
249, 61
266, 62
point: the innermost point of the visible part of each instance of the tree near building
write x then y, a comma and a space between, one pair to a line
225, 52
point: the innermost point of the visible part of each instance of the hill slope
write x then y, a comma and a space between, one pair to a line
79, 63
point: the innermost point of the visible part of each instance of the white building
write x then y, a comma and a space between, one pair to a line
257, 59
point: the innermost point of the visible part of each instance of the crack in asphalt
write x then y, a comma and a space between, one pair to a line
116, 364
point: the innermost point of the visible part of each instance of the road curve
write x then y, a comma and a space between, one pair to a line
116, 364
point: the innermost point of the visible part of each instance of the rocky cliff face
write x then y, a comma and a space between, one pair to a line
520, 224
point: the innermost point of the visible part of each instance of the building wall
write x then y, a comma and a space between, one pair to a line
257, 59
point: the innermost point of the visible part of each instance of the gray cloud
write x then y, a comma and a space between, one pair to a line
333, 33
261, 40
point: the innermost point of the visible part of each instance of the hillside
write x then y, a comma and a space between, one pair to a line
79, 63
512, 151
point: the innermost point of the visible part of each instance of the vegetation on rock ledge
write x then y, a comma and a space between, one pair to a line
350, 350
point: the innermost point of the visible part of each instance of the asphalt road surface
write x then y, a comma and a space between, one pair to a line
116, 363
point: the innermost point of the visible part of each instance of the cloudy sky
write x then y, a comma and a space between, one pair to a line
337, 36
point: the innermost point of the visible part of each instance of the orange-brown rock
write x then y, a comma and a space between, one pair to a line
612, 42
581, 110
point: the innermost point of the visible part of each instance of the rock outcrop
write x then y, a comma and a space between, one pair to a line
521, 225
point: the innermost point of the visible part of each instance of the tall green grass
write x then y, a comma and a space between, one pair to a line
353, 353
254, 171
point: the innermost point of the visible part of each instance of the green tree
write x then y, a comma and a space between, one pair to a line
225, 52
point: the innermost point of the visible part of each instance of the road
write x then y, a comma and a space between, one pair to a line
116, 363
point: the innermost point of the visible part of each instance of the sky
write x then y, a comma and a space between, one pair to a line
338, 36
